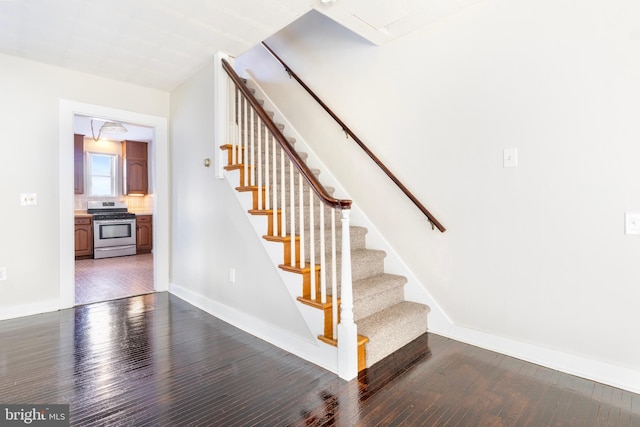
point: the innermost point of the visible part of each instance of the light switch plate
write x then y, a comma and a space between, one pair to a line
632, 223
510, 159
3, 273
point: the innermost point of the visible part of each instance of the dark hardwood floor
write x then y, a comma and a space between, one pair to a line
154, 360
105, 279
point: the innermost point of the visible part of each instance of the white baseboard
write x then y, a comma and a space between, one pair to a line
602, 372
12, 312
317, 352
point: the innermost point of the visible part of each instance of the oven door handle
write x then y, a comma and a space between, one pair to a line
115, 248
113, 221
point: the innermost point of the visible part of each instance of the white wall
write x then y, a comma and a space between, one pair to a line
211, 233
29, 162
535, 254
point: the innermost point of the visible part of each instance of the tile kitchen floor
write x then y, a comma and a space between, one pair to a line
111, 278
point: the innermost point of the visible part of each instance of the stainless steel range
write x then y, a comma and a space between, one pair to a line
114, 229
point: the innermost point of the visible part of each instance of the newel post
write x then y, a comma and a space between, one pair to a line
347, 329
221, 109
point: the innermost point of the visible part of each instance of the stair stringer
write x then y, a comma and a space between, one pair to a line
312, 350
414, 289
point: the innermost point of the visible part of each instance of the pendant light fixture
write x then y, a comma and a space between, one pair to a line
108, 127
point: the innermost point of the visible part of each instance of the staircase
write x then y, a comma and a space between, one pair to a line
300, 223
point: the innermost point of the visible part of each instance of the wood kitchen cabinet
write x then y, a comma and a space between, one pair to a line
144, 234
83, 237
136, 168
78, 164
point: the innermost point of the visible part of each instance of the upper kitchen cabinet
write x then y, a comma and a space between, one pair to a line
78, 164
136, 173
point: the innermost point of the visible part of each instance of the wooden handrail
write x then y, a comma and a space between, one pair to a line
302, 167
432, 219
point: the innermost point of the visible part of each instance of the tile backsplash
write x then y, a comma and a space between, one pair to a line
135, 204
139, 204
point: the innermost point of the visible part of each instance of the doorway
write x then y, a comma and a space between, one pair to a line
159, 187
100, 172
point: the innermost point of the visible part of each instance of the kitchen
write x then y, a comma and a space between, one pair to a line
113, 210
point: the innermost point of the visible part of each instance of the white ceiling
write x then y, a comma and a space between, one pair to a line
161, 43
153, 43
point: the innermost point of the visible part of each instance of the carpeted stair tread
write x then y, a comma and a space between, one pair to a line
392, 328
287, 172
303, 156
364, 263
357, 235
376, 293
269, 146
373, 285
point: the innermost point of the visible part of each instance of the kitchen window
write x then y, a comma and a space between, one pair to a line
102, 174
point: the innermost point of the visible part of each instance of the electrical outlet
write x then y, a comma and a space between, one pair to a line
3, 273
28, 199
232, 275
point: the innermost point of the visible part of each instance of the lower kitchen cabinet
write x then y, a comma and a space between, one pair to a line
83, 237
144, 234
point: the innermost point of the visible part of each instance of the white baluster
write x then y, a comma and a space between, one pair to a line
301, 221
260, 201
334, 274
347, 329
312, 249
229, 116
266, 169
234, 140
275, 188
252, 137
292, 217
244, 155
323, 265
283, 200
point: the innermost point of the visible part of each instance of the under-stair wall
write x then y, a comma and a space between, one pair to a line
212, 234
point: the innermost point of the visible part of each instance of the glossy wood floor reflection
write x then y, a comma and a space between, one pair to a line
113, 278
154, 360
